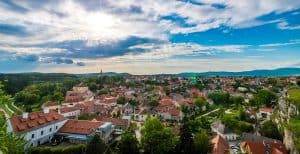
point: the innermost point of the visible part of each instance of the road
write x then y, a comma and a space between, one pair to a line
215, 110
5, 114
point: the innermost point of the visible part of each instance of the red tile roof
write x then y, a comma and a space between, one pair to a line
34, 120
69, 109
261, 147
166, 105
266, 109
114, 121
166, 102
83, 127
220, 145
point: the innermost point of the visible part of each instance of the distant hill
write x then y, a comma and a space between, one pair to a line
254, 73
104, 74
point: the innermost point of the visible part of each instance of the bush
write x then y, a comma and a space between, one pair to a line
73, 149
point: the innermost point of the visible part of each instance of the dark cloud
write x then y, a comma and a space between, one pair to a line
13, 6
81, 49
80, 64
27, 58
15, 30
57, 60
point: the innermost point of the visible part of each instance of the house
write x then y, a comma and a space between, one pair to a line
219, 145
263, 147
128, 109
119, 124
167, 110
69, 112
141, 115
108, 100
79, 131
51, 105
86, 107
265, 113
223, 131
37, 127
78, 94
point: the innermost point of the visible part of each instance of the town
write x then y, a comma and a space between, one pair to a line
153, 114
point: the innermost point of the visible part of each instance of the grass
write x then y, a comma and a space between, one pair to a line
294, 126
294, 96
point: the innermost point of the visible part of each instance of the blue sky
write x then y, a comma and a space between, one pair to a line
148, 36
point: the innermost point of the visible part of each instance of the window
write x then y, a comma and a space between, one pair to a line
56, 127
42, 132
32, 135
50, 130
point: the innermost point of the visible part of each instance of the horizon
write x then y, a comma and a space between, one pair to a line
205, 72
148, 37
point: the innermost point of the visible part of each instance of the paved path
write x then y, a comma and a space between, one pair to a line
138, 131
10, 110
13, 104
5, 114
215, 110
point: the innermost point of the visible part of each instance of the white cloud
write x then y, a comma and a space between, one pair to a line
285, 25
107, 23
168, 50
112, 21
291, 42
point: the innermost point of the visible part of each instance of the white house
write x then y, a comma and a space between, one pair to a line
69, 112
265, 112
37, 127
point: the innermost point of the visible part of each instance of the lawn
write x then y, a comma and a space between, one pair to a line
294, 125
294, 96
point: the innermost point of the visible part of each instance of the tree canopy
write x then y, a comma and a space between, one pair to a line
96, 145
128, 144
156, 138
269, 129
264, 97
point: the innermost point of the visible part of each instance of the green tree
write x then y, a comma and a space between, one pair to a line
156, 138
121, 100
200, 102
186, 142
10, 143
201, 143
237, 100
269, 129
221, 98
58, 96
133, 102
264, 97
128, 144
96, 145
153, 101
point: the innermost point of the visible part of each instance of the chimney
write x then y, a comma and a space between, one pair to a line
46, 110
25, 115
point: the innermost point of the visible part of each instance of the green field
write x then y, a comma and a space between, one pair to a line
294, 96
294, 125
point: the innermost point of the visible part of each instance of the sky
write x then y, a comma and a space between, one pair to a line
148, 36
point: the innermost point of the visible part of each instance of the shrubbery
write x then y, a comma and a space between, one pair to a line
74, 149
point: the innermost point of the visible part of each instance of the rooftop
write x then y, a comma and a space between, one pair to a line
34, 120
83, 127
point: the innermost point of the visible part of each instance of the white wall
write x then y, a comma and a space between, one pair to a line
71, 114
47, 134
